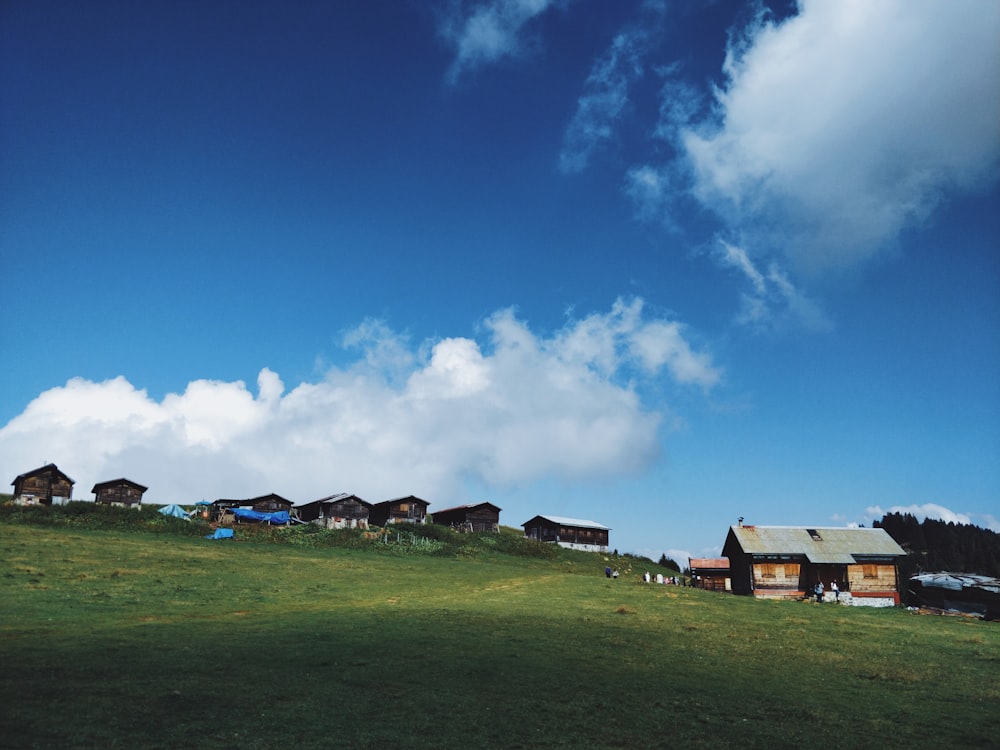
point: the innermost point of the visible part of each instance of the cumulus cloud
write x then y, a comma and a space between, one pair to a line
606, 91
840, 126
936, 512
511, 408
487, 32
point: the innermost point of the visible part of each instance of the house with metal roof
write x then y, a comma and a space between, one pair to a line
409, 509
340, 511
788, 562
710, 573
574, 533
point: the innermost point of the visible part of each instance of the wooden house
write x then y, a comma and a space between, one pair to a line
341, 511
409, 509
573, 533
264, 504
711, 573
45, 485
788, 561
480, 517
123, 492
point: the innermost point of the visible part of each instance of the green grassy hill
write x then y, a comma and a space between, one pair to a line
148, 638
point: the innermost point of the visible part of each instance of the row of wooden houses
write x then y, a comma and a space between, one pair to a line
48, 485
772, 562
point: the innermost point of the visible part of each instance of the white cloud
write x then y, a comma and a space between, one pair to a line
510, 409
844, 124
606, 91
487, 32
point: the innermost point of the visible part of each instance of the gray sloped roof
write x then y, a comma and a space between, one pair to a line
837, 545
581, 523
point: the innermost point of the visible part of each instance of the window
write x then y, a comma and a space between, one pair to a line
815, 535
870, 571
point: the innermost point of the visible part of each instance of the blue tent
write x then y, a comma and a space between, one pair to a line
174, 511
221, 534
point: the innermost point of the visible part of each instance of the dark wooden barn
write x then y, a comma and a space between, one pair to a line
787, 562
341, 511
264, 504
409, 509
711, 573
574, 533
46, 485
479, 517
119, 492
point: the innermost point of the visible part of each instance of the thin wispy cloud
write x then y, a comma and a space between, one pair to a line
512, 407
606, 92
487, 32
771, 301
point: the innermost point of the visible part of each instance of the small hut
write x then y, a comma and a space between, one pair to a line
409, 509
710, 573
341, 511
46, 485
479, 517
121, 492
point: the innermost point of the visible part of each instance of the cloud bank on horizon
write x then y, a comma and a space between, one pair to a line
518, 408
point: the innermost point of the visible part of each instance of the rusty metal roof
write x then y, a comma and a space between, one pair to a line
837, 545
706, 563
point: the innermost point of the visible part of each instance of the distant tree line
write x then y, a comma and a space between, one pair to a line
932, 545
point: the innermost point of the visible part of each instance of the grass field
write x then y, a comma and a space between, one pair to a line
142, 640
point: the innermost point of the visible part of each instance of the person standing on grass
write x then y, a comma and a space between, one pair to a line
819, 591
835, 589
607, 572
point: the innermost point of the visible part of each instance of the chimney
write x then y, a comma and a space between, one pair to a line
741, 522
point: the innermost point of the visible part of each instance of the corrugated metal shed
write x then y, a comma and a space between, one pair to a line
836, 545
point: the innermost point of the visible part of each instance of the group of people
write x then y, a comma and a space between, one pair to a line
818, 590
611, 573
660, 578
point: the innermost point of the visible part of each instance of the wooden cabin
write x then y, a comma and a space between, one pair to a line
710, 573
574, 533
409, 509
480, 517
787, 562
341, 511
264, 504
46, 485
123, 492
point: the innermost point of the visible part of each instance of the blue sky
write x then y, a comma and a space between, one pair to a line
655, 264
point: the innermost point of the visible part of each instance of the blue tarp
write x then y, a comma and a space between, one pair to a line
175, 511
245, 514
221, 534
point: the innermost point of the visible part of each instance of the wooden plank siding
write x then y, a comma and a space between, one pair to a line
568, 532
481, 517
788, 562
43, 486
119, 492
409, 509
336, 512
